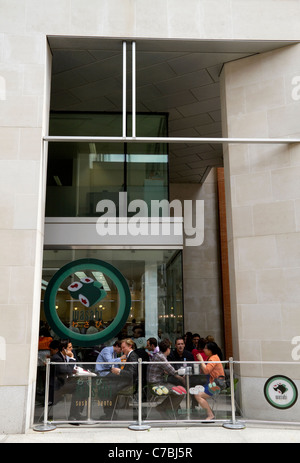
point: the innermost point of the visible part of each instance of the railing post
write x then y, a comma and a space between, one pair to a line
140, 426
233, 424
46, 426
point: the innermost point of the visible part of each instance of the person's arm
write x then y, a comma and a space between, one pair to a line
99, 368
194, 354
207, 369
71, 361
130, 369
108, 356
118, 359
63, 369
170, 370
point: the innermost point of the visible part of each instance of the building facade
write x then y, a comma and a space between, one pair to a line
192, 73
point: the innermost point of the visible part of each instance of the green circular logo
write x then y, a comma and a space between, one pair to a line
281, 392
88, 292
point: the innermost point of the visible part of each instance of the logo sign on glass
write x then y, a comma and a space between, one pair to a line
85, 283
281, 392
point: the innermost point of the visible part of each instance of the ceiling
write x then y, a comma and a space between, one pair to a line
131, 263
180, 78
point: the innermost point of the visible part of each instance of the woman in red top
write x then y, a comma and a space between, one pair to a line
199, 349
214, 370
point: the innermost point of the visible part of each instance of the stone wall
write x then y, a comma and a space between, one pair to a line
203, 309
263, 194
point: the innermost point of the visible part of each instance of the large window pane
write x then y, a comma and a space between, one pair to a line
147, 177
80, 175
85, 124
147, 163
155, 281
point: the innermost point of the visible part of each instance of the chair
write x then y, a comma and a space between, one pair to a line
128, 393
155, 398
225, 393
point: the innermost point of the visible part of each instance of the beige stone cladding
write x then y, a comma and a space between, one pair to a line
263, 194
25, 63
24, 69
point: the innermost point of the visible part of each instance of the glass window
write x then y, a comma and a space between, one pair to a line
85, 124
154, 278
80, 175
147, 177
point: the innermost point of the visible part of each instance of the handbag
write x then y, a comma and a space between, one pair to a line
221, 382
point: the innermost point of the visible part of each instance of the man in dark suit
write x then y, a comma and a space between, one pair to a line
62, 379
121, 378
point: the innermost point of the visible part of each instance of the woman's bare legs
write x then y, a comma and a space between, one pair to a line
202, 401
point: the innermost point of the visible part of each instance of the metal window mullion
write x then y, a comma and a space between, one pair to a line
124, 125
133, 89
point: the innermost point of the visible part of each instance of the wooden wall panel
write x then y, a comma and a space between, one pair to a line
224, 264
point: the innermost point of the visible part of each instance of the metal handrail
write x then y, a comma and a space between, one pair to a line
47, 426
140, 424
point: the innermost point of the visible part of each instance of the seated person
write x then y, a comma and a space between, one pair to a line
212, 339
92, 328
188, 340
108, 354
180, 354
44, 342
121, 378
156, 377
214, 370
200, 350
62, 379
152, 348
195, 340
139, 337
143, 354
146, 355
54, 348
